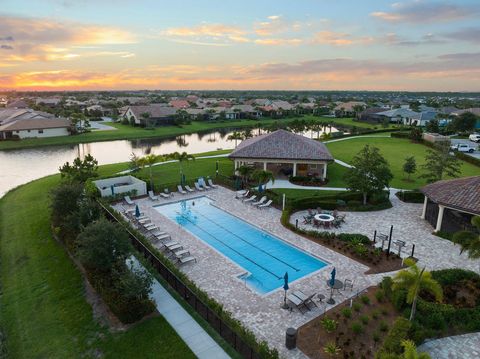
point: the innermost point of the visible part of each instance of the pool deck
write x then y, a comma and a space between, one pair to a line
218, 275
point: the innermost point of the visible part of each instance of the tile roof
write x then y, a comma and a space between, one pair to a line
282, 145
462, 194
155, 110
36, 124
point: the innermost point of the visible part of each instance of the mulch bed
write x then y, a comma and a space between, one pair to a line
378, 318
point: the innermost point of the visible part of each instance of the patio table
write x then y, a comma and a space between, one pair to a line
322, 217
338, 284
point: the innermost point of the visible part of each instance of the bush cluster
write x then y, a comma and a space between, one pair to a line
411, 196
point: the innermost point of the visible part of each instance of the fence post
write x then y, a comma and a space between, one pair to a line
413, 250
374, 236
389, 241
283, 203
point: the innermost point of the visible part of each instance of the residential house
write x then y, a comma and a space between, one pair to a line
17, 104
49, 102
179, 104
348, 109
372, 115
401, 115
159, 114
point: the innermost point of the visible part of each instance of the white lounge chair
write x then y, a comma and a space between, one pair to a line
204, 185
167, 192
152, 196
128, 200
181, 190
185, 260
161, 237
266, 205
211, 184
197, 186
181, 253
251, 199
263, 199
164, 195
189, 189
241, 194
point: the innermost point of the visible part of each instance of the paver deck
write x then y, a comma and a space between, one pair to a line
465, 346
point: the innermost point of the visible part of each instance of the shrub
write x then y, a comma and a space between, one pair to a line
354, 237
386, 284
356, 306
383, 326
411, 196
380, 295
375, 314
376, 337
464, 157
396, 335
329, 325
365, 299
357, 328
347, 312
364, 319
399, 299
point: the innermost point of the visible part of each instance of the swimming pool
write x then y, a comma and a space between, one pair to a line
265, 257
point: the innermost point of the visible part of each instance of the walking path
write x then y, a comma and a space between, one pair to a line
466, 346
197, 339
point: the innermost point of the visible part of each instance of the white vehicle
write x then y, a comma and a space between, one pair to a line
462, 147
475, 137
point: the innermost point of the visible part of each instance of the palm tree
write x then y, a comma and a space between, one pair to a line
145, 116
247, 133
263, 177
149, 161
245, 172
235, 136
414, 280
469, 241
410, 351
181, 157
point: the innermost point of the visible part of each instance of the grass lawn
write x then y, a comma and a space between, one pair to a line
43, 309
395, 150
125, 132
292, 193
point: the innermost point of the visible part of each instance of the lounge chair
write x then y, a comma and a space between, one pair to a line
263, 199
128, 200
307, 299
152, 196
204, 185
143, 220
173, 247
181, 190
185, 260
266, 205
298, 303
161, 237
251, 199
159, 233
241, 195
181, 253
348, 283
197, 186
187, 187
211, 184
167, 192
164, 195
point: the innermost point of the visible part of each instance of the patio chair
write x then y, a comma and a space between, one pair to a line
164, 195
189, 189
263, 199
298, 303
204, 185
152, 196
161, 237
180, 189
167, 192
251, 199
311, 212
181, 253
197, 186
348, 283
307, 220
241, 195
307, 299
185, 260
128, 200
266, 205
211, 184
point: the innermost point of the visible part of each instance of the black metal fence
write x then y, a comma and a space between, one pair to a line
216, 322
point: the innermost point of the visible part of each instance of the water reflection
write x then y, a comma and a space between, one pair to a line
21, 166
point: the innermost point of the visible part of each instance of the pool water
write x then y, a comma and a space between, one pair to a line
264, 257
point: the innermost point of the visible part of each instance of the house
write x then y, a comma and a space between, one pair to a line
372, 115
449, 205
50, 102
246, 111
348, 109
17, 104
26, 123
284, 152
158, 114
179, 104
401, 115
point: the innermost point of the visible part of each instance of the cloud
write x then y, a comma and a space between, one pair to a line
208, 31
6, 47
338, 39
393, 39
276, 24
7, 38
277, 41
423, 11
468, 34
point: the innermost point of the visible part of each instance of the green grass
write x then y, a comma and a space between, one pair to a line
395, 150
125, 132
292, 193
43, 309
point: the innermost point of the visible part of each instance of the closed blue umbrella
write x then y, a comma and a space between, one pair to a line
260, 188
285, 288
137, 211
182, 179
112, 187
332, 279
237, 183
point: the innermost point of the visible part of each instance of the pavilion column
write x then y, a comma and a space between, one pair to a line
294, 169
424, 210
236, 164
441, 209
325, 170
264, 166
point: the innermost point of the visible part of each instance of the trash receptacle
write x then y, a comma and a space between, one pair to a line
291, 338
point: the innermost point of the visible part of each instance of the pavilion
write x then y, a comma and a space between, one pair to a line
450, 204
284, 152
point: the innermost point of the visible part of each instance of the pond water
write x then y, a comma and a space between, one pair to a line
21, 166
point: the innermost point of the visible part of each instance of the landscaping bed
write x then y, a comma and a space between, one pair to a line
357, 331
414, 196
307, 181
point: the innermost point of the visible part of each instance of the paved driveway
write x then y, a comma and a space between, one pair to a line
475, 154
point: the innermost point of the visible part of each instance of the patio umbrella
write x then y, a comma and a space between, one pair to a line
260, 188
137, 211
285, 288
113, 190
182, 179
332, 279
237, 183
216, 167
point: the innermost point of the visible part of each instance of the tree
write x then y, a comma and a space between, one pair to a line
181, 157
235, 136
414, 280
416, 134
263, 177
469, 241
133, 284
410, 351
135, 163
432, 126
145, 117
102, 245
464, 122
79, 122
439, 163
247, 133
80, 170
148, 162
370, 172
410, 166
245, 172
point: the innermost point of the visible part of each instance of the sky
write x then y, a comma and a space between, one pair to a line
412, 45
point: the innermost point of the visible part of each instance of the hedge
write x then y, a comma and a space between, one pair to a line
414, 196
393, 341
464, 157
359, 132
401, 134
